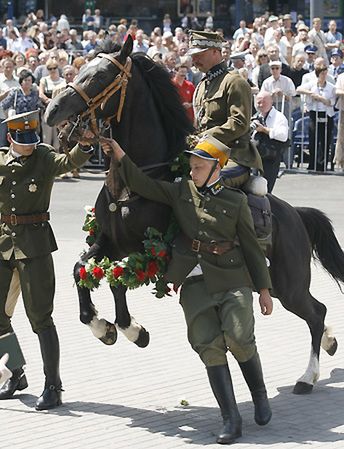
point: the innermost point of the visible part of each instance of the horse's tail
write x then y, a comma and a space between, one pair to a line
325, 245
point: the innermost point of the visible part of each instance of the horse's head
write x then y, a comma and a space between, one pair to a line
86, 100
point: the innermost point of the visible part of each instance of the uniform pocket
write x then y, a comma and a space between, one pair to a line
231, 259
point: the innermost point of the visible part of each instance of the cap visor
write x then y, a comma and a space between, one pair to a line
200, 153
194, 51
25, 138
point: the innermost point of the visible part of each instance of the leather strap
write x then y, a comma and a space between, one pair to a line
213, 247
15, 220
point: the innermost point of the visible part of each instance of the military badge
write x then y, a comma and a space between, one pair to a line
32, 188
217, 188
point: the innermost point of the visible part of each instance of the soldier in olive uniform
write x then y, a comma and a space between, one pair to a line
223, 107
27, 173
217, 260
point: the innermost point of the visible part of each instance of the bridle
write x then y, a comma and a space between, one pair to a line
100, 100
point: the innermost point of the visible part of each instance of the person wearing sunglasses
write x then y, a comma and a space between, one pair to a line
47, 87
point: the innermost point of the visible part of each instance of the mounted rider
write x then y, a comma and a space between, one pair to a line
223, 105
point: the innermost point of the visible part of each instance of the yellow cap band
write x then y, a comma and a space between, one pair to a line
212, 151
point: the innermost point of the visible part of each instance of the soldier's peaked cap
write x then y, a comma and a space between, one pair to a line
23, 127
203, 40
211, 149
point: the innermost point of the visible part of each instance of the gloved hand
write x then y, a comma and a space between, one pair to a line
5, 373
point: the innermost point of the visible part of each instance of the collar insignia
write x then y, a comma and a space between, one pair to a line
217, 188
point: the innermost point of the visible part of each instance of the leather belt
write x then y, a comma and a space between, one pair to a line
213, 247
15, 220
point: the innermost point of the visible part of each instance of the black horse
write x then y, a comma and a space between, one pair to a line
137, 98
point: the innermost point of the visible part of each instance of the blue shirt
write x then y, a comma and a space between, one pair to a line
24, 103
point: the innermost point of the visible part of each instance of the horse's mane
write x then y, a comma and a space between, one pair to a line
174, 119
175, 122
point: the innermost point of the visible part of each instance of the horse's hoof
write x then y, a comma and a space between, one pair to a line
110, 337
143, 338
302, 388
332, 350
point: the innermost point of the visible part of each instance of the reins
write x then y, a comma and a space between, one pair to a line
100, 100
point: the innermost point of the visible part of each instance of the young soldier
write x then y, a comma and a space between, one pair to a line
217, 260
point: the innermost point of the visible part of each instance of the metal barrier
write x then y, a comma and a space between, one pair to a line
311, 153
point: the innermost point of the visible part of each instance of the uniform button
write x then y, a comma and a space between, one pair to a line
13, 234
202, 220
14, 183
205, 210
224, 211
237, 141
13, 209
200, 232
190, 200
199, 256
13, 195
207, 198
13, 170
231, 260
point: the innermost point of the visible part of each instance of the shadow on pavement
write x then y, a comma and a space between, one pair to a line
296, 419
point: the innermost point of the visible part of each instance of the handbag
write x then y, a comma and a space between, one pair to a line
12, 111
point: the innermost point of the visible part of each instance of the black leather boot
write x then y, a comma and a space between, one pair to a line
221, 384
50, 349
253, 374
17, 382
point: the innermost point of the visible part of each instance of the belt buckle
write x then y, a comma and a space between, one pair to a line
13, 220
195, 245
215, 247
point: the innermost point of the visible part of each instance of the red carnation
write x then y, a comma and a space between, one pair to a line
162, 253
98, 272
140, 275
91, 232
83, 273
153, 252
117, 272
152, 269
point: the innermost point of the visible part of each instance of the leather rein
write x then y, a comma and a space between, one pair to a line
100, 100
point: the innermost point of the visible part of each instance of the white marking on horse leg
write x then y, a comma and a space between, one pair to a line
328, 338
132, 331
312, 372
98, 327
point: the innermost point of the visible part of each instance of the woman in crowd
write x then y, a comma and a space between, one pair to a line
261, 58
47, 87
19, 62
320, 99
25, 98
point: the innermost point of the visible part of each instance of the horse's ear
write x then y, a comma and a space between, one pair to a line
127, 47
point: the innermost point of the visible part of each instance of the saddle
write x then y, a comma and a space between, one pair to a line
256, 192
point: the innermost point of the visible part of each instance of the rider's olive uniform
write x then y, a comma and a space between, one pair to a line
223, 105
222, 295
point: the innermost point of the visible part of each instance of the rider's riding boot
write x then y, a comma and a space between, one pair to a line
253, 374
17, 382
221, 384
51, 396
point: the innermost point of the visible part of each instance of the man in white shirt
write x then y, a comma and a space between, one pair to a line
339, 152
302, 40
271, 135
139, 45
318, 38
7, 82
281, 88
269, 33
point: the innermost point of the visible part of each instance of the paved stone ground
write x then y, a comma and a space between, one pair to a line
124, 397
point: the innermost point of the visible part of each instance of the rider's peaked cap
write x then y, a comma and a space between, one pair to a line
22, 128
211, 149
203, 40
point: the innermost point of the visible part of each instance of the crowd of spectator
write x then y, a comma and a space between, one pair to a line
298, 66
